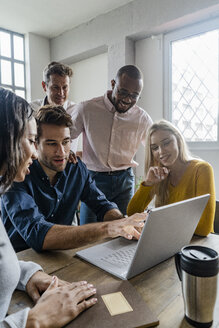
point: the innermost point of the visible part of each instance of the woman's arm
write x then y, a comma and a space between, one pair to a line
205, 185
140, 200
143, 195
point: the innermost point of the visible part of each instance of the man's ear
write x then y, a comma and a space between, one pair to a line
44, 85
113, 82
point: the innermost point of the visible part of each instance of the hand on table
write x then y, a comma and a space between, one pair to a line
60, 304
38, 283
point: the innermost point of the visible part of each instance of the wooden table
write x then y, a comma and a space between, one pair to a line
159, 286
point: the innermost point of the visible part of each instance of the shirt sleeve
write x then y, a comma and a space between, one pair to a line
25, 216
140, 200
19, 319
15, 320
94, 198
205, 185
78, 122
27, 270
148, 122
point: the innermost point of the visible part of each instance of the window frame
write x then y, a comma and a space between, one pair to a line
188, 31
13, 61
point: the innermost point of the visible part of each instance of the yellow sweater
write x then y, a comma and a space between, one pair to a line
197, 180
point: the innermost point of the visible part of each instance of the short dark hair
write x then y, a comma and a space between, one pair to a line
56, 68
131, 70
50, 114
14, 115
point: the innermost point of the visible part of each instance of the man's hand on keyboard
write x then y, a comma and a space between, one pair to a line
127, 227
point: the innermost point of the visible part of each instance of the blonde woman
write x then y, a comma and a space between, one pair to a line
172, 175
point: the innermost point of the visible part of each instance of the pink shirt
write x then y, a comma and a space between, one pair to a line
110, 139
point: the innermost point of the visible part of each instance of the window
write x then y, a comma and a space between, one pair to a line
192, 83
12, 62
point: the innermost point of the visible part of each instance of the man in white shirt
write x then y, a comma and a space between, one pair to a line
56, 84
113, 127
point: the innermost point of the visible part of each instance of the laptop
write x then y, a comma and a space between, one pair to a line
167, 229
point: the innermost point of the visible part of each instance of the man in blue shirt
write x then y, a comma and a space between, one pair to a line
38, 212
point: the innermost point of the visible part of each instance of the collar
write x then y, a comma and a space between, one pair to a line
45, 102
110, 107
41, 173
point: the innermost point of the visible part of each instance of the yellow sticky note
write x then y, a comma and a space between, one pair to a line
116, 303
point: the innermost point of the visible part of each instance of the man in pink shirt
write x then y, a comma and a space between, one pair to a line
113, 127
56, 85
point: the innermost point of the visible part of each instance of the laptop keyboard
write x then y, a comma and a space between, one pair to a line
121, 257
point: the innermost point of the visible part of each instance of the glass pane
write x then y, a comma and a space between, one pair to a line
20, 93
195, 86
6, 72
18, 47
5, 44
19, 75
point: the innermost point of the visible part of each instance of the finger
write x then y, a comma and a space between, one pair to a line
136, 234
156, 171
86, 304
81, 283
130, 232
162, 174
83, 292
166, 171
138, 217
35, 295
54, 283
67, 283
63, 283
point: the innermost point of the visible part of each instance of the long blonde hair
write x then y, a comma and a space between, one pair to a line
160, 190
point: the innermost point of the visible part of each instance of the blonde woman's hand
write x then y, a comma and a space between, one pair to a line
155, 175
59, 305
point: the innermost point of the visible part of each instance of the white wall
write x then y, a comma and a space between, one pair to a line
37, 57
89, 78
115, 30
149, 58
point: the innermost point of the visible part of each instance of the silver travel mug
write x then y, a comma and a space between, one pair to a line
197, 268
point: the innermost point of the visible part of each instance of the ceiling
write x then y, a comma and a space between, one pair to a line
50, 18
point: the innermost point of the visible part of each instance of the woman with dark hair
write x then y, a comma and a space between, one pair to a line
61, 301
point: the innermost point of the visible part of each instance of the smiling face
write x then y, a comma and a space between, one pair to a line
164, 148
57, 89
53, 148
29, 151
126, 92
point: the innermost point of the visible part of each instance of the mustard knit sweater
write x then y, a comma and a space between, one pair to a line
198, 179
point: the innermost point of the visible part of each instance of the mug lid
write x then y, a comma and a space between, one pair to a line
199, 253
199, 260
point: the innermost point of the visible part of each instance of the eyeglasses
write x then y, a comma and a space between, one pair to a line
126, 94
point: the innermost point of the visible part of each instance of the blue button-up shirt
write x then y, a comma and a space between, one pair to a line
32, 207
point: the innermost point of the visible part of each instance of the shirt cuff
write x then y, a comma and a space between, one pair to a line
144, 188
27, 270
16, 320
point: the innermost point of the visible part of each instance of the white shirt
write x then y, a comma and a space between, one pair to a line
69, 106
110, 139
